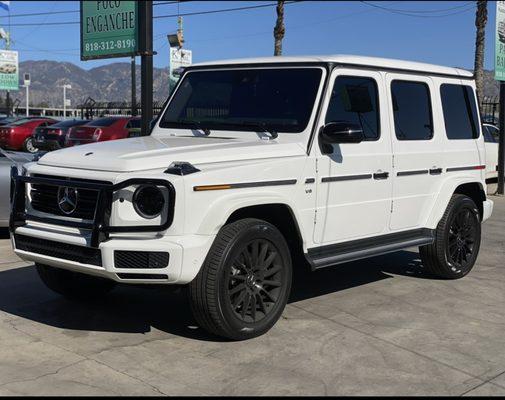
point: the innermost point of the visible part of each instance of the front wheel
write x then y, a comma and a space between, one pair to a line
244, 283
457, 240
29, 145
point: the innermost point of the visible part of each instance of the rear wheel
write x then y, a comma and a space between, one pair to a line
244, 284
457, 240
29, 145
74, 285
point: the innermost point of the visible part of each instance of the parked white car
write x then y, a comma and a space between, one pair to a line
256, 162
491, 134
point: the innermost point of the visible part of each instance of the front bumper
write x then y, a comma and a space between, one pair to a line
186, 255
67, 243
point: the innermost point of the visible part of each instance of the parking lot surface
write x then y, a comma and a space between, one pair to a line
372, 327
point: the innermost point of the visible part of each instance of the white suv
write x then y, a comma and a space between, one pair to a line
256, 163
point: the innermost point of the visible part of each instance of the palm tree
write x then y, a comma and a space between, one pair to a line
279, 29
480, 24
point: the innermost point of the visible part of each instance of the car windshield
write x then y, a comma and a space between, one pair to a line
108, 121
279, 99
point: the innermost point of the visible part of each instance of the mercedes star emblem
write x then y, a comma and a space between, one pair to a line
67, 199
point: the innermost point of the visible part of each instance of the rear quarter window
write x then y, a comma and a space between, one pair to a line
460, 111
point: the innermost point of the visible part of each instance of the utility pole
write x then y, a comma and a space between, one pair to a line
146, 57
65, 87
134, 89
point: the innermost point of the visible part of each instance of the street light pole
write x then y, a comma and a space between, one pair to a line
65, 87
27, 100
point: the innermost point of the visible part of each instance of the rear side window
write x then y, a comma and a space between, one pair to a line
460, 111
355, 99
412, 110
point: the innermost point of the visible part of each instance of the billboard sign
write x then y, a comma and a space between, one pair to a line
179, 58
9, 70
499, 59
108, 29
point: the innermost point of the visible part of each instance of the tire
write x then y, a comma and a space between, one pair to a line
231, 296
457, 240
29, 146
73, 285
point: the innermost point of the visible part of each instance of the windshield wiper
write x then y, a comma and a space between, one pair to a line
195, 124
261, 127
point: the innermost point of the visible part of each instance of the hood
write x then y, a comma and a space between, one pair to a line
145, 153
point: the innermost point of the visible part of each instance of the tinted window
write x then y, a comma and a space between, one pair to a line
488, 137
108, 121
355, 100
493, 130
460, 112
412, 110
246, 99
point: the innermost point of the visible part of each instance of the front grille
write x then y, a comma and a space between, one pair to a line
143, 276
45, 199
71, 252
140, 259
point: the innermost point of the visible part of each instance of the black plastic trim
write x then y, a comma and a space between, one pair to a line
472, 167
310, 180
345, 178
333, 254
410, 173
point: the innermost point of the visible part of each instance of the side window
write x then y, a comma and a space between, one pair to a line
412, 110
488, 137
355, 100
495, 132
460, 112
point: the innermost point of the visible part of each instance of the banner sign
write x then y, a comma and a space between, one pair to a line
179, 58
5, 5
499, 63
9, 70
108, 29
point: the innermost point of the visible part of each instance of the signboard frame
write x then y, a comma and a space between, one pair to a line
14, 75
136, 36
499, 59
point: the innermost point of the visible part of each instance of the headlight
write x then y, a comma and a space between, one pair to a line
148, 201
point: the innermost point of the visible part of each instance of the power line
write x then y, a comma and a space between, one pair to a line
469, 6
167, 16
425, 11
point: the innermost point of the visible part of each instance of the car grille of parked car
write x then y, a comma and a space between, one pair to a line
140, 259
65, 251
44, 198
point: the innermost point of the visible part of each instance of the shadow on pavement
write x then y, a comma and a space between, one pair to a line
134, 309
4, 233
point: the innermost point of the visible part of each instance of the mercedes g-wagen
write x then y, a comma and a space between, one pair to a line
255, 163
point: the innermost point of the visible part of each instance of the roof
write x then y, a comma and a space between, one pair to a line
388, 63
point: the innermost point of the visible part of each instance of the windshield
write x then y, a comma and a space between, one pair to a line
67, 123
275, 99
20, 121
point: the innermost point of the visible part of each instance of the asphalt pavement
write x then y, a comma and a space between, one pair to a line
372, 327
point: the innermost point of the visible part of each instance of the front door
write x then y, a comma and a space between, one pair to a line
354, 180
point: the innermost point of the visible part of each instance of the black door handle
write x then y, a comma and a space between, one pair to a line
435, 171
381, 175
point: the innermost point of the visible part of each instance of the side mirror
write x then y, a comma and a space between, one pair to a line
341, 132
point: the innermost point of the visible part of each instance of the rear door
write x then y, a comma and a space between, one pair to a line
417, 148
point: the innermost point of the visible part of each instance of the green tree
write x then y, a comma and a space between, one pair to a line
480, 24
279, 29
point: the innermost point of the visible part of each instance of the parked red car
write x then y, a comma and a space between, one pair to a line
99, 130
18, 134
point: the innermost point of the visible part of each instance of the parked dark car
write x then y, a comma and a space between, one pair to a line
53, 137
18, 134
98, 130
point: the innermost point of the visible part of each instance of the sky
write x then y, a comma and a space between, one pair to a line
438, 32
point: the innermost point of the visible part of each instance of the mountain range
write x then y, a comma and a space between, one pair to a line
109, 83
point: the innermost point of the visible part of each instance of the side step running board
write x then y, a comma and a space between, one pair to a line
325, 256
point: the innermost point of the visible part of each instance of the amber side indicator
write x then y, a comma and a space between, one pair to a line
211, 187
